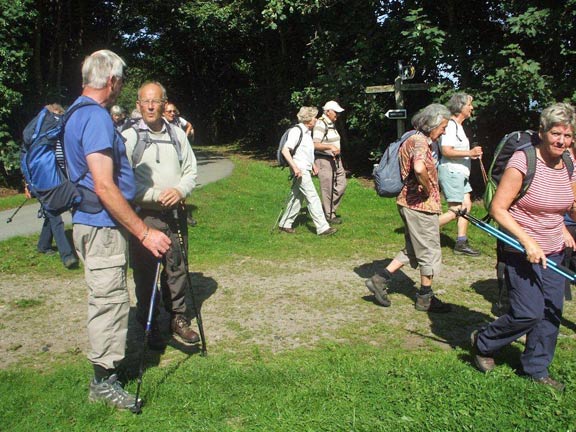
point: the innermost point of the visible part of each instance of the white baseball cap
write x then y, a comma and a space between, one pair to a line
332, 105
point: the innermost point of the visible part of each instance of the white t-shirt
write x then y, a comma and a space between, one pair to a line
304, 156
455, 137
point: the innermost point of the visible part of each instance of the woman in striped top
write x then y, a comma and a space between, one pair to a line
536, 220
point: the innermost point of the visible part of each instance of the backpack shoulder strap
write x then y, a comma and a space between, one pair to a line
175, 141
299, 139
530, 153
568, 163
144, 141
325, 129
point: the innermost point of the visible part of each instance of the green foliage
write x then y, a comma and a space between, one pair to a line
239, 69
519, 86
423, 39
15, 19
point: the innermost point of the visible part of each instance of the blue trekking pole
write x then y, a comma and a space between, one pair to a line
137, 408
512, 242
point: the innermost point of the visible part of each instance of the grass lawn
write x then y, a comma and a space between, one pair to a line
367, 374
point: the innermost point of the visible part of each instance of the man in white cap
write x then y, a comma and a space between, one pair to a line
329, 162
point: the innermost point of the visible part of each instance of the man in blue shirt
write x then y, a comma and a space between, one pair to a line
97, 162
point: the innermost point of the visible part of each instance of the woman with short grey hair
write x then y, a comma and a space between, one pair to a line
419, 206
454, 170
536, 220
306, 114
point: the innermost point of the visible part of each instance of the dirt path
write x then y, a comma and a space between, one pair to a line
257, 303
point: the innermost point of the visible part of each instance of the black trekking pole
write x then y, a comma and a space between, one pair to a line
512, 242
16, 211
184, 254
294, 179
334, 184
137, 408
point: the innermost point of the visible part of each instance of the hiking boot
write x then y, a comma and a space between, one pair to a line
550, 382
483, 362
377, 286
431, 303
47, 251
334, 221
70, 262
287, 230
181, 327
463, 248
110, 391
328, 232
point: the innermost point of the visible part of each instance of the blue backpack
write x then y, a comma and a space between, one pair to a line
388, 180
42, 162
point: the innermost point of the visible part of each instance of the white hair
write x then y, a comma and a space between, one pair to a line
100, 66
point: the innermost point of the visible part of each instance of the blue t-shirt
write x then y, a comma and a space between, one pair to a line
90, 130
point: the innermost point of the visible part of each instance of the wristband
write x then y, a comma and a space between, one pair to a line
145, 235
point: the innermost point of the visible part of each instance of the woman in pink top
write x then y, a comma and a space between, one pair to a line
537, 221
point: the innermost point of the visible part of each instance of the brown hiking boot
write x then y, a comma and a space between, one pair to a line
483, 362
550, 382
431, 303
377, 286
181, 327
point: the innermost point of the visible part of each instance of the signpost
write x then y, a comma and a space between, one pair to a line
399, 114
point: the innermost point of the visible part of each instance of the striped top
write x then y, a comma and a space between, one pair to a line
325, 132
541, 211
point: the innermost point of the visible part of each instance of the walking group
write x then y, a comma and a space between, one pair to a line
134, 176
434, 159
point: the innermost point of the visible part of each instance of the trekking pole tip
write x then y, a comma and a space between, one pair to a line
136, 408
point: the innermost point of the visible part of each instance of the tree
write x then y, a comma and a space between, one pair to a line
15, 17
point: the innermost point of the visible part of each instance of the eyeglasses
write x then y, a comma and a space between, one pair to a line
153, 102
170, 111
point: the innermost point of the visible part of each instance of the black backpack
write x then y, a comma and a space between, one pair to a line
279, 156
43, 165
510, 143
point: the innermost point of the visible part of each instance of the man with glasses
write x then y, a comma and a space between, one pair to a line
97, 162
331, 171
165, 170
172, 115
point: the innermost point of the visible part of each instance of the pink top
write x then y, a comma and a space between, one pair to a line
541, 211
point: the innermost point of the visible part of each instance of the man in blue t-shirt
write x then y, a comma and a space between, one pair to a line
96, 160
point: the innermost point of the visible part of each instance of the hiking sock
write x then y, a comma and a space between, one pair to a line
425, 290
101, 373
386, 275
461, 239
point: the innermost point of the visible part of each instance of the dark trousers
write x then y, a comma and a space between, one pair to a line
173, 276
536, 300
53, 228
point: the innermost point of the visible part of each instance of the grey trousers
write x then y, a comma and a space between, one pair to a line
173, 277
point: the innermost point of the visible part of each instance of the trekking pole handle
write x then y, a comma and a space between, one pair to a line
512, 242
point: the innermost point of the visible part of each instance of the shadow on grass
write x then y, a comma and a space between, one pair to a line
203, 288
